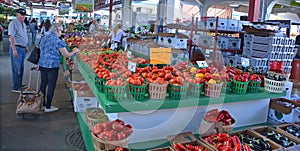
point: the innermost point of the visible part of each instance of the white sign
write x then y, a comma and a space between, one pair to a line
129, 54
245, 62
131, 66
202, 64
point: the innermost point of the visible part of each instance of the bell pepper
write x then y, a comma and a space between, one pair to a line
228, 142
237, 147
235, 140
219, 145
181, 147
246, 147
225, 148
190, 147
119, 149
199, 148
106, 135
209, 140
222, 137
175, 146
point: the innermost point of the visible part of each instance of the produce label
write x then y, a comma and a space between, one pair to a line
84, 5
129, 54
245, 62
131, 66
202, 64
63, 8
160, 55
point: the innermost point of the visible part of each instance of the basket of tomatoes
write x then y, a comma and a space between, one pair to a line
226, 87
213, 87
115, 90
178, 88
196, 86
102, 76
111, 135
95, 116
240, 83
158, 88
254, 83
137, 87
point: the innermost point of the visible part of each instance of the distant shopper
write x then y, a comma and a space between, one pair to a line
46, 28
103, 26
51, 49
33, 29
297, 43
116, 36
94, 27
18, 48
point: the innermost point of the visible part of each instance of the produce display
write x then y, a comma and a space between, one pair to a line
294, 130
188, 147
255, 143
225, 142
219, 116
279, 138
275, 76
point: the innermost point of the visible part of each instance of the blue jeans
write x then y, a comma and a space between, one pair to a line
17, 66
33, 38
48, 78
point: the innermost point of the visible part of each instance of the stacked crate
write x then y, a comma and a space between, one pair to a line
258, 49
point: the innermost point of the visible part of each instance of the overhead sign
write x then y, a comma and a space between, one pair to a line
160, 55
63, 8
84, 5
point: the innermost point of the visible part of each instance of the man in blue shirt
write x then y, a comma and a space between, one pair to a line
18, 48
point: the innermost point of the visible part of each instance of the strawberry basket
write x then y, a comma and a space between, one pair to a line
95, 116
253, 86
138, 92
178, 91
99, 82
157, 91
226, 87
114, 93
195, 90
213, 89
239, 87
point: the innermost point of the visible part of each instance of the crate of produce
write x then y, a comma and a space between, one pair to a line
138, 92
291, 129
95, 116
195, 90
187, 141
239, 87
277, 137
287, 69
157, 91
114, 93
178, 91
253, 86
254, 141
273, 85
168, 148
213, 89
246, 52
99, 82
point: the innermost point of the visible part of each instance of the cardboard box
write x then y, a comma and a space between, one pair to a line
181, 43
84, 100
233, 25
234, 43
280, 113
211, 24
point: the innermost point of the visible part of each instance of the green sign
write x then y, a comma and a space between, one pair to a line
63, 8
294, 3
84, 5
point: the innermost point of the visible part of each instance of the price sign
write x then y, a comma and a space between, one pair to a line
129, 54
160, 55
202, 64
245, 62
131, 66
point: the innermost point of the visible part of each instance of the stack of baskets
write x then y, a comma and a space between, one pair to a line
213, 90
99, 82
157, 91
102, 145
275, 86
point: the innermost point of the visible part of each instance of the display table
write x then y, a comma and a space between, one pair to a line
156, 119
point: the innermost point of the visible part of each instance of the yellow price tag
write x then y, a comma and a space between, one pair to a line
160, 55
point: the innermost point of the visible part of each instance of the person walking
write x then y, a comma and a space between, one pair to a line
116, 36
33, 29
94, 27
51, 48
18, 48
46, 28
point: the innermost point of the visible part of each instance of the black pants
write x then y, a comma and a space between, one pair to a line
48, 78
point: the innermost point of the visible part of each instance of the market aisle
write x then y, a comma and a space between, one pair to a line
49, 132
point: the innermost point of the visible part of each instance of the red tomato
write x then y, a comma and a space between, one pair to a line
172, 81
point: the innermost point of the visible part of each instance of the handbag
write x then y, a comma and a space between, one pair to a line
36, 27
34, 56
30, 103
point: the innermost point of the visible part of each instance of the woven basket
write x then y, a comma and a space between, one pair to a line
138, 92
95, 116
213, 90
274, 86
253, 86
114, 93
157, 91
178, 92
226, 87
101, 145
195, 90
227, 128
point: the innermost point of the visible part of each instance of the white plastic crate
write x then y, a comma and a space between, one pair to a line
259, 54
288, 55
255, 62
278, 48
265, 40
289, 41
289, 49
232, 25
248, 44
248, 38
234, 43
260, 69
262, 47
288, 69
287, 63
276, 55
206, 41
246, 52
211, 24
222, 42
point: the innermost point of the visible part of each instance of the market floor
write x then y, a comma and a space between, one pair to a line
55, 131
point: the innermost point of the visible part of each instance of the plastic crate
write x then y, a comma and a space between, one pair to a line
100, 84
114, 93
260, 69
253, 86
213, 90
288, 55
195, 90
276, 55
138, 92
248, 44
264, 48
255, 62
226, 87
178, 92
248, 37
289, 41
157, 91
287, 69
278, 48
259, 54
239, 87
274, 86
266, 40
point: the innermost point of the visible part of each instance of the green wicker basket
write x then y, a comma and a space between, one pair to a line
195, 90
178, 92
138, 92
100, 84
253, 86
114, 93
226, 87
239, 87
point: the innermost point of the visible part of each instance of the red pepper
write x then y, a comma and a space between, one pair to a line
219, 145
199, 148
175, 146
119, 149
227, 142
235, 140
181, 147
225, 148
190, 147
246, 147
107, 135
222, 137
121, 136
209, 140
237, 147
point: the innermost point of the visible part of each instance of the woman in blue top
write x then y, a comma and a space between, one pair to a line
33, 29
51, 49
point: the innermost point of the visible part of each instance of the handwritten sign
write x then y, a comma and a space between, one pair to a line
202, 64
160, 55
131, 66
245, 62
129, 54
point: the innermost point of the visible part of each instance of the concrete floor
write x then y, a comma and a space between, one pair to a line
49, 131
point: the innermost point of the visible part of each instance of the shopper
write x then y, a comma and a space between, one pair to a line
33, 29
51, 49
116, 36
94, 27
46, 28
18, 48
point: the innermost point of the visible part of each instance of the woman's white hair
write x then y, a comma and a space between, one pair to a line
55, 27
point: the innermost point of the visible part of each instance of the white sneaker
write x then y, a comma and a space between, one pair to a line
52, 109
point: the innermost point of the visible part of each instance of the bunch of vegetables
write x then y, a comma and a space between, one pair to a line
225, 142
118, 82
135, 79
112, 130
279, 138
255, 143
187, 147
215, 116
103, 73
294, 130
